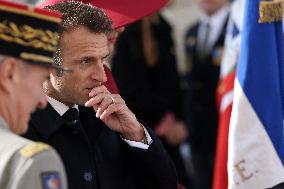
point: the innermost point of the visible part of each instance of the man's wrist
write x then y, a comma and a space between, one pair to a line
137, 135
144, 143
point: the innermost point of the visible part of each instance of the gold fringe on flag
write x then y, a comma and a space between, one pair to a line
271, 11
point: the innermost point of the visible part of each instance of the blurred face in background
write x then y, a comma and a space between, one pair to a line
211, 6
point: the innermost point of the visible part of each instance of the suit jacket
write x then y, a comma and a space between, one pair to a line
97, 158
202, 81
25, 164
278, 186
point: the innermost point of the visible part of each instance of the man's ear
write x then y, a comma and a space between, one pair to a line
8, 74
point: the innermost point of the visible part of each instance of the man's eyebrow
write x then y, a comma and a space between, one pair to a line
106, 56
79, 58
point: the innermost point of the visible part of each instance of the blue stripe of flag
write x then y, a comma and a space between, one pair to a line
260, 72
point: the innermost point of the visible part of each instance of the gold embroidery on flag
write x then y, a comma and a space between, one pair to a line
271, 11
241, 172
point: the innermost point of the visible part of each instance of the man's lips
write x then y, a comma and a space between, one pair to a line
90, 88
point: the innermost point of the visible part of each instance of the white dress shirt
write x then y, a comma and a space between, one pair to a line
62, 108
216, 23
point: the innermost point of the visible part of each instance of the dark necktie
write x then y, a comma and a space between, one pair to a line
203, 46
73, 121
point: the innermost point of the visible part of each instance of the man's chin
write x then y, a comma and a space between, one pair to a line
82, 101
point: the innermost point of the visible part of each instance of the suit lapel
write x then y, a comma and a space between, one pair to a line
221, 38
46, 121
92, 125
191, 39
217, 50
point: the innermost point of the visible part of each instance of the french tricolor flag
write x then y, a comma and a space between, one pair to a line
256, 133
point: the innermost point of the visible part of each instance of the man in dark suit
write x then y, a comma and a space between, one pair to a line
204, 44
103, 146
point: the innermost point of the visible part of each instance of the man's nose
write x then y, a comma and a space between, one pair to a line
99, 73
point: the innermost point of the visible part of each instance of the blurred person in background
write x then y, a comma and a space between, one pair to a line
144, 67
28, 39
204, 46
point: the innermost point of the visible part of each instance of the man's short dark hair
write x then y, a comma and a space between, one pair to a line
76, 14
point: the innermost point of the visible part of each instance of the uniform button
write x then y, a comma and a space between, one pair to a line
88, 176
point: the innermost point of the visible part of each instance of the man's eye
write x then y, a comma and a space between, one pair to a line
87, 61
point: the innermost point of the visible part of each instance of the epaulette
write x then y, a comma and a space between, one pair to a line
33, 149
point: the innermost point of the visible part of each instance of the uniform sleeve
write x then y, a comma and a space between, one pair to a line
42, 171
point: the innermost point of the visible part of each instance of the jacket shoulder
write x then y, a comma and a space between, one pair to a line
27, 164
39, 165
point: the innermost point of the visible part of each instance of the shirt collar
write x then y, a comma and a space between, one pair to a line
218, 18
59, 106
216, 24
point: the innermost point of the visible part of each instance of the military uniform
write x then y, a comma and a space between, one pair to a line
30, 35
27, 165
